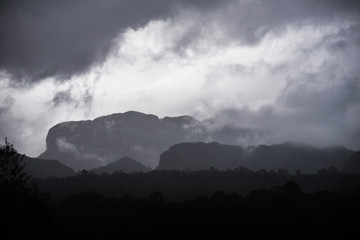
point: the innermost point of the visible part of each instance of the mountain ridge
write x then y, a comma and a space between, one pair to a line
90, 144
289, 155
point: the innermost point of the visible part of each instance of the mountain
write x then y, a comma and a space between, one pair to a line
289, 155
40, 168
125, 164
352, 165
199, 155
93, 143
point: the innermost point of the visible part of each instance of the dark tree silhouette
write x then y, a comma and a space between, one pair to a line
13, 178
22, 207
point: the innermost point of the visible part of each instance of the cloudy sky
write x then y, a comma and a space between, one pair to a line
281, 69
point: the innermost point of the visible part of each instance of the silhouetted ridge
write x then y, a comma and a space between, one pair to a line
124, 164
197, 156
294, 155
290, 155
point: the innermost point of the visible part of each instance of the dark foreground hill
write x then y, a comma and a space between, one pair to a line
43, 168
290, 156
125, 164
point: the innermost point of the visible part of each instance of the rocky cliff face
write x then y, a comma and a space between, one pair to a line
98, 142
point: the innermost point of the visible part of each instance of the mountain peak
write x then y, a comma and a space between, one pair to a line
124, 164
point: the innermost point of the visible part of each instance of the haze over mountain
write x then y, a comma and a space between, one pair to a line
90, 144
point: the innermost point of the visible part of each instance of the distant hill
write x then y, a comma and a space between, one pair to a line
295, 155
40, 168
93, 143
125, 164
291, 156
43, 168
352, 165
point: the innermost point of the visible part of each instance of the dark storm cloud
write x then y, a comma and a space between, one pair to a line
41, 38
47, 38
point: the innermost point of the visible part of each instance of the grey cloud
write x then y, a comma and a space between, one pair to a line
88, 97
251, 21
83, 101
336, 99
62, 97
319, 105
339, 45
248, 22
6, 104
329, 113
323, 117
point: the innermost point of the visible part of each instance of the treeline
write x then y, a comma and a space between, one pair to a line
180, 185
282, 211
176, 204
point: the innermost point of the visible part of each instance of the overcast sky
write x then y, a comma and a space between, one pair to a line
281, 69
